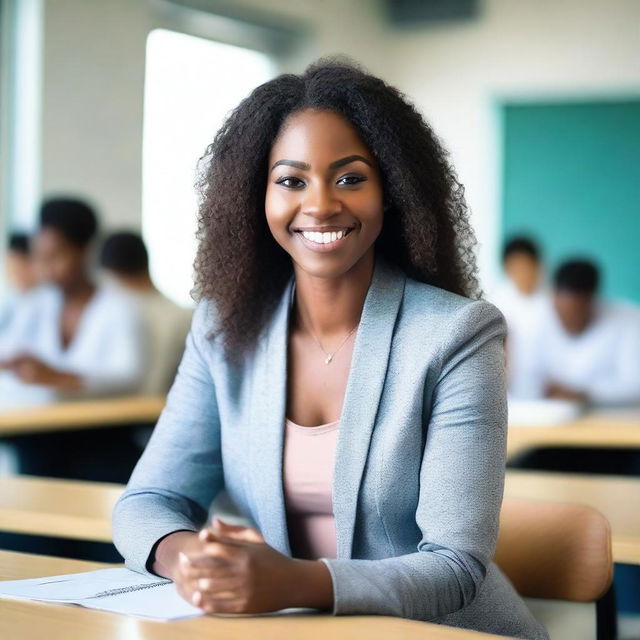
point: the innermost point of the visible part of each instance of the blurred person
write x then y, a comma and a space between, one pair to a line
69, 336
20, 277
589, 349
523, 300
125, 260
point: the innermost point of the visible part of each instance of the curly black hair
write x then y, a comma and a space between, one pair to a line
426, 232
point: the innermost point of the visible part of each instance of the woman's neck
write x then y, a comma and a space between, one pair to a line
331, 307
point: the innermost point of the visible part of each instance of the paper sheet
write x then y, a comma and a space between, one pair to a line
133, 594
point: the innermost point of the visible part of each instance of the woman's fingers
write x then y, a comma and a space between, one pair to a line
217, 586
236, 532
215, 560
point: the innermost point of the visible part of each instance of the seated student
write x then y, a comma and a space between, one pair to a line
588, 349
20, 276
68, 335
125, 261
338, 380
523, 300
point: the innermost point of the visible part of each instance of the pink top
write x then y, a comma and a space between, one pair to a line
308, 484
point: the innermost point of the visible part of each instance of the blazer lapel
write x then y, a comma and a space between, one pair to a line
362, 396
267, 418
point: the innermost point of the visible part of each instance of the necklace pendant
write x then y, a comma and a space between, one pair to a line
329, 358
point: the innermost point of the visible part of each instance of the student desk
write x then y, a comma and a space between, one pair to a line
34, 621
59, 508
618, 498
81, 414
599, 429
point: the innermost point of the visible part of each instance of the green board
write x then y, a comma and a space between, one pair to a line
571, 179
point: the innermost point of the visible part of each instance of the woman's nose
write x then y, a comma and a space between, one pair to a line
320, 201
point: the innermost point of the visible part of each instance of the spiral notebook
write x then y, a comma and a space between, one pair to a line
116, 590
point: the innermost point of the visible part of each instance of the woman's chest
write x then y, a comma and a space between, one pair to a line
316, 385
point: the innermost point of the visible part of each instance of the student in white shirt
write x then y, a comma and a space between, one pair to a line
68, 335
125, 261
524, 302
589, 349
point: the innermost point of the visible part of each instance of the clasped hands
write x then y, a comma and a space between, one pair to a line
230, 569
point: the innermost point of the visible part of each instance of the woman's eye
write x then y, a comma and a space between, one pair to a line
290, 182
351, 180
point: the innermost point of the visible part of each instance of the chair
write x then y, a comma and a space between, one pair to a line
559, 551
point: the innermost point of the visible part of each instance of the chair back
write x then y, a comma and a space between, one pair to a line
554, 550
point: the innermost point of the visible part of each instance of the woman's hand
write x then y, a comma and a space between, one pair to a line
231, 569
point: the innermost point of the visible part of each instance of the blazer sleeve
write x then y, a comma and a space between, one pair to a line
180, 471
461, 484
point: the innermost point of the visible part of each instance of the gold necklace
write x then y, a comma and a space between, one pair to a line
329, 357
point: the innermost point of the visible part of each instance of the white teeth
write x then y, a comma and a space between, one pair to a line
320, 237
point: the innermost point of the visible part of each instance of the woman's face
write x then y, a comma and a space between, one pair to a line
56, 260
324, 193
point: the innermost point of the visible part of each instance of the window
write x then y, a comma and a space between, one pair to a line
190, 85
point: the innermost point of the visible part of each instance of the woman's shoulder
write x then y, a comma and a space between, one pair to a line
434, 315
429, 301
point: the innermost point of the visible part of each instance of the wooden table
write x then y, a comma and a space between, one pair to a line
59, 508
34, 621
81, 414
600, 429
618, 498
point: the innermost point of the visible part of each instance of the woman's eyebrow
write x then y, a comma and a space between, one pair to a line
348, 160
292, 163
334, 165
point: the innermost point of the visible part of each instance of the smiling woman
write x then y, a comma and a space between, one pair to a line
339, 380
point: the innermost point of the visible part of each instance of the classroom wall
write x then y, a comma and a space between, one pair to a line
456, 74
92, 103
544, 48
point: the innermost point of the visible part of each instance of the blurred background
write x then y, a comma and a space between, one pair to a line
106, 107
537, 101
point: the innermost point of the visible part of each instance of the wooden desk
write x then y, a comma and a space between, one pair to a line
81, 414
618, 498
598, 429
60, 508
34, 621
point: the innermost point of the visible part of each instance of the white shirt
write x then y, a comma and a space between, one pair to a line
603, 361
107, 350
525, 316
166, 328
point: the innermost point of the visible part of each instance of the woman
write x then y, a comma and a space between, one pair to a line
334, 260
69, 336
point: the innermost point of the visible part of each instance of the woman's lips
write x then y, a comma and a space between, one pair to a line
324, 247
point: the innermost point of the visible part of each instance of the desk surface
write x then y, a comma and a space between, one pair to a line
33, 621
618, 498
81, 414
596, 429
59, 508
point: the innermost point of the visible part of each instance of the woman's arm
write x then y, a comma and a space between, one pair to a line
180, 471
461, 483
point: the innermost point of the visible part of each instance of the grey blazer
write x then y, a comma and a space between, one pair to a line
419, 466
